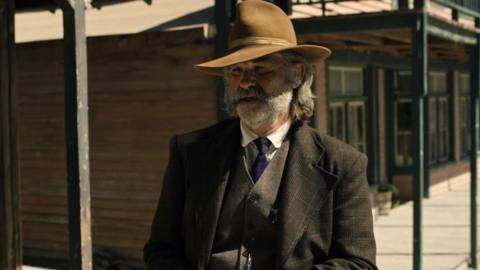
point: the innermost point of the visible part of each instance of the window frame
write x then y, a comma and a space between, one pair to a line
347, 101
464, 103
434, 98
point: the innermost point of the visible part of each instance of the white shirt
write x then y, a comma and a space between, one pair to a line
276, 138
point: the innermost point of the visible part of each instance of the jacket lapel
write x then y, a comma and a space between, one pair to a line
217, 159
305, 180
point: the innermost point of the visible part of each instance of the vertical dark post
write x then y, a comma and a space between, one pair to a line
474, 122
285, 5
10, 230
420, 86
372, 142
76, 124
455, 15
426, 142
222, 24
402, 4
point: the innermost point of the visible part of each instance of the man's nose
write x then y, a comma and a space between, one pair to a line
248, 80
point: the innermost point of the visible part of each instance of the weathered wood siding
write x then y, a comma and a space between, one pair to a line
143, 90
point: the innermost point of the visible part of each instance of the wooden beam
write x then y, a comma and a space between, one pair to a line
383, 49
450, 31
403, 36
357, 37
10, 228
357, 22
77, 136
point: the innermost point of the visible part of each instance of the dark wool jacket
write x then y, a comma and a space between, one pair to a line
324, 211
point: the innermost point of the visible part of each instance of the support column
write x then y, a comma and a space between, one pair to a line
222, 24
76, 124
474, 123
10, 225
402, 4
285, 5
420, 81
426, 142
372, 126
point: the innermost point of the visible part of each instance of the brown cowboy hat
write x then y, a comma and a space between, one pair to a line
261, 28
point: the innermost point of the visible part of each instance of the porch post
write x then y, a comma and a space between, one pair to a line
76, 125
10, 225
371, 85
222, 15
474, 122
420, 81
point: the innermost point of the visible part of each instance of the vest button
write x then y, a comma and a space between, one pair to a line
253, 199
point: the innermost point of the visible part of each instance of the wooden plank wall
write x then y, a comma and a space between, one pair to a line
142, 91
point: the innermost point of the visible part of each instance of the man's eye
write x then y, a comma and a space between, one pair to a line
263, 70
235, 72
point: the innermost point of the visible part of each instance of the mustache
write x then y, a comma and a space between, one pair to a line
255, 92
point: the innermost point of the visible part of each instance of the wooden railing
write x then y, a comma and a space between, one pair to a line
467, 7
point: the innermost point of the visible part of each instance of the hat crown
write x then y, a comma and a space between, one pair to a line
262, 20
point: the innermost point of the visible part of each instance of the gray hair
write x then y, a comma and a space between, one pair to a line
302, 105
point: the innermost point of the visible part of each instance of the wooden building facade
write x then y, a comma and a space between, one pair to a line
143, 90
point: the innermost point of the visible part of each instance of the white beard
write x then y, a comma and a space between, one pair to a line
259, 113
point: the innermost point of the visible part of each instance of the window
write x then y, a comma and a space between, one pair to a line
337, 119
464, 85
403, 115
356, 125
347, 114
403, 130
438, 118
439, 132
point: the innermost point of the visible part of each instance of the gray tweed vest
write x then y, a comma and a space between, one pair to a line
248, 220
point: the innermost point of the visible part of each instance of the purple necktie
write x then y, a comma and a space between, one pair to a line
261, 161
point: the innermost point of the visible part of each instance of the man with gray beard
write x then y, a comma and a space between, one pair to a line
263, 190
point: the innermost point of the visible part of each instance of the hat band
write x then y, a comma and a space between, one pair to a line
259, 41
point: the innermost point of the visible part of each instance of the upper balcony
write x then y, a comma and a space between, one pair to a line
385, 26
462, 12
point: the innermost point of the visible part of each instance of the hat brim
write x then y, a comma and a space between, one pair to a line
313, 53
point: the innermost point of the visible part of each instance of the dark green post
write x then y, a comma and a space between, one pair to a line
474, 122
222, 24
10, 214
426, 143
370, 75
402, 4
420, 86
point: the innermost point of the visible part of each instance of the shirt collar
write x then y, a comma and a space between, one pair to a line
276, 137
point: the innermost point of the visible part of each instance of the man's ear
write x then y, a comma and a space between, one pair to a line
298, 70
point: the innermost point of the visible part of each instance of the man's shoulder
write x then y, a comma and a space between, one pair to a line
337, 157
211, 132
331, 144
336, 153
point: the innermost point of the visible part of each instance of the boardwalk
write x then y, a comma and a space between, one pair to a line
446, 239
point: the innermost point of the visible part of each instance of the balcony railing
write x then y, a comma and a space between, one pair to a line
469, 8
